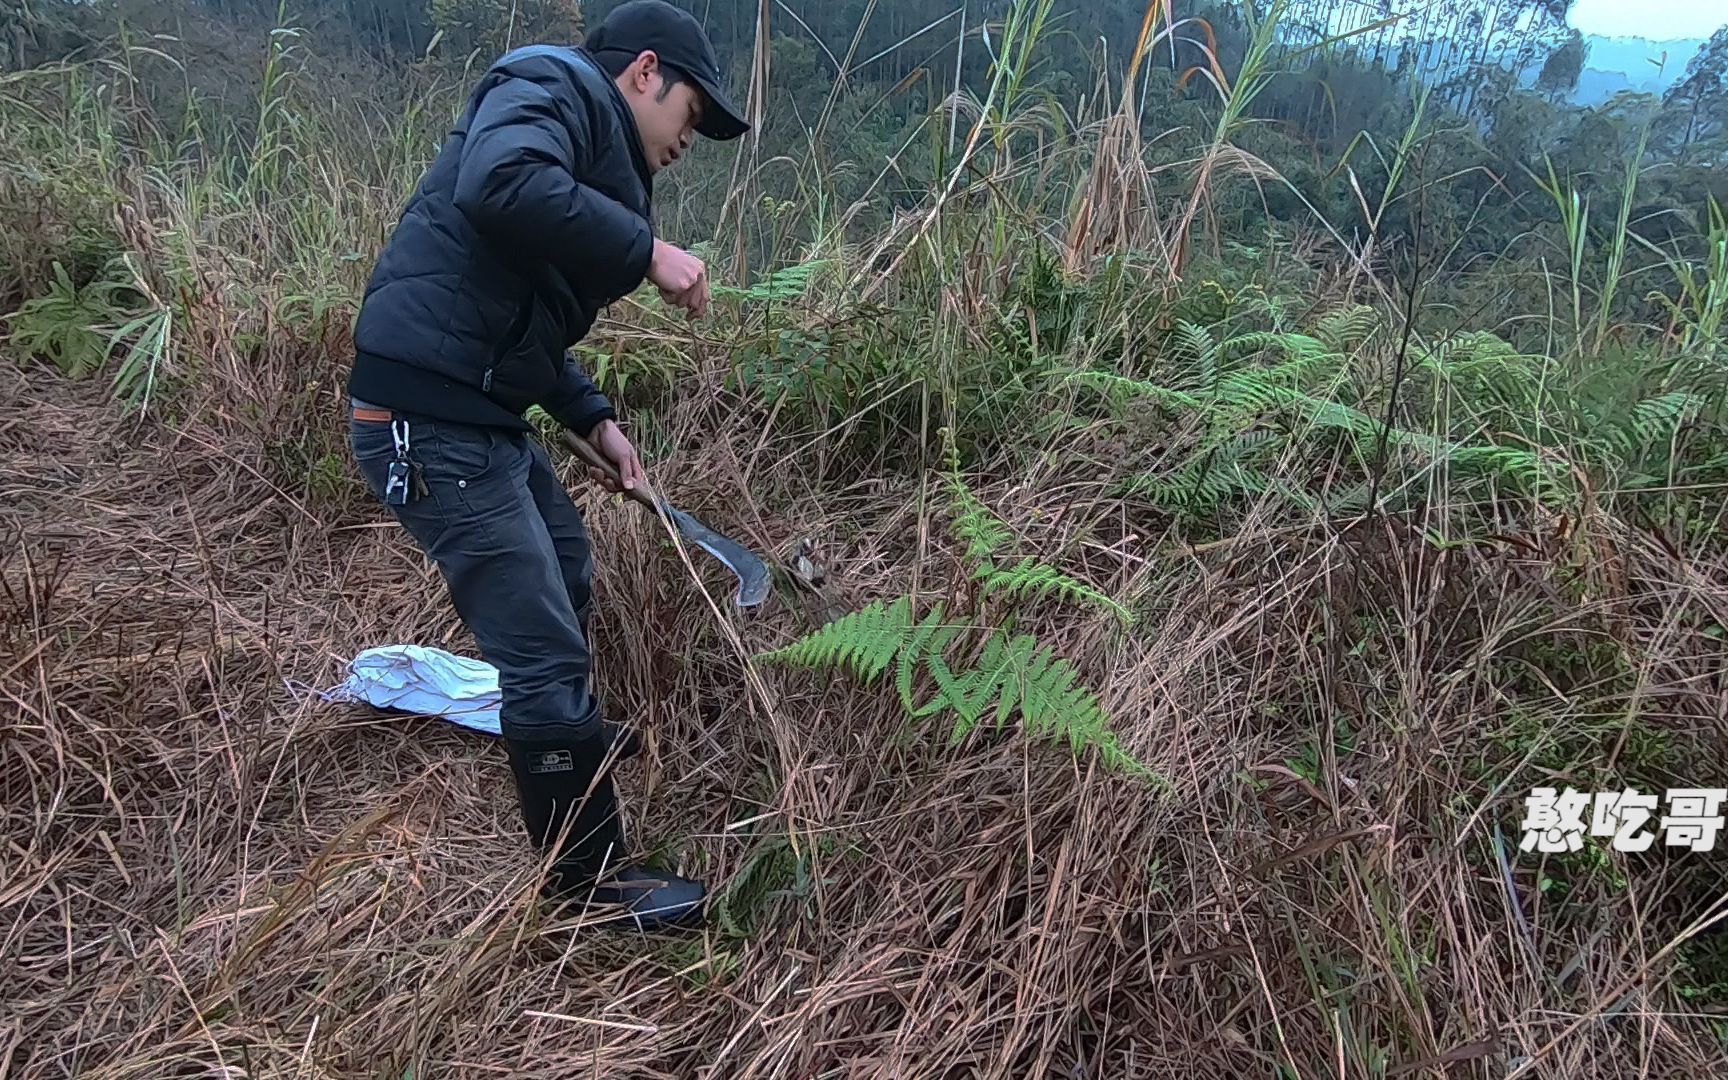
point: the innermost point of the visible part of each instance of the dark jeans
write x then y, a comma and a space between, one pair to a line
514, 551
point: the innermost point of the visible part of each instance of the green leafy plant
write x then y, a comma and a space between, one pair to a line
786, 283
1700, 309
983, 533
1029, 577
544, 426
80, 328
150, 336
1252, 413
987, 536
65, 326
1013, 675
770, 869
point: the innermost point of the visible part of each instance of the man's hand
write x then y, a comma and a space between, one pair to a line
608, 438
681, 278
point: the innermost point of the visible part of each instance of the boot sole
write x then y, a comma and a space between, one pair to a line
610, 917
612, 912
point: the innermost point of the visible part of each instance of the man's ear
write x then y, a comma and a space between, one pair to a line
644, 69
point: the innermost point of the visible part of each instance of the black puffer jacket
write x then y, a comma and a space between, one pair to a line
535, 214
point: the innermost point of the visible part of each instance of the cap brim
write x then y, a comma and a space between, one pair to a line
720, 120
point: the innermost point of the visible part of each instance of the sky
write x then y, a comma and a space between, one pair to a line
1654, 20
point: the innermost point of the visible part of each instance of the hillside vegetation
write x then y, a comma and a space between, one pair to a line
1243, 464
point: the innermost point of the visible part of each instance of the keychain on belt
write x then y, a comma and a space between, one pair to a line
403, 471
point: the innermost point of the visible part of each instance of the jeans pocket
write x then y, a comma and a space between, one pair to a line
460, 454
371, 439
374, 449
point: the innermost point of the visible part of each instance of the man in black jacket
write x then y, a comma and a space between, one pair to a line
534, 216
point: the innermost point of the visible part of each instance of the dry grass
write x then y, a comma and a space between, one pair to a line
211, 873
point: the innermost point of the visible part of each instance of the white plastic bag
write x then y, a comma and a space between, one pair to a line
424, 681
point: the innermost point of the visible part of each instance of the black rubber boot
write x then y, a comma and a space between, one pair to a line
565, 803
646, 898
627, 742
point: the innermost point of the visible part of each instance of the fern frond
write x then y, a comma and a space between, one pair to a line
1508, 461
787, 283
952, 688
1653, 420
913, 652
934, 658
1301, 348
1192, 346
1346, 328
1347, 500
980, 688
1029, 577
1017, 658
864, 642
1291, 493
1053, 704
1332, 414
1475, 352
982, 531
1118, 386
1197, 486
767, 869
1014, 674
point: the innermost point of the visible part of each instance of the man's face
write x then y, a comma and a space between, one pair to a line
666, 116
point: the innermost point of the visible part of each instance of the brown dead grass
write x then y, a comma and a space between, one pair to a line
211, 873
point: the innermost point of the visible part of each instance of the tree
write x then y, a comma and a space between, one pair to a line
1563, 68
1698, 103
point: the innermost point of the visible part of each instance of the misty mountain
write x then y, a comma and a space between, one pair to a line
1631, 63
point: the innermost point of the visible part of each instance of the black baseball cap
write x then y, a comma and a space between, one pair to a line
679, 41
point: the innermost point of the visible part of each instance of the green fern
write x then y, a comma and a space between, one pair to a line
983, 533
1638, 446
1015, 675
986, 535
1652, 421
1029, 577
1298, 395
1202, 487
1192, 347
1510, 461
1547, 426
930, 636
787, 283
769, 869
1347, 328
1304, 352
1121, 387
864, 642
1229, 468
1495, 386
1470, 352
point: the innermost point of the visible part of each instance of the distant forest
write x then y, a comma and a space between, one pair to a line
860, 88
